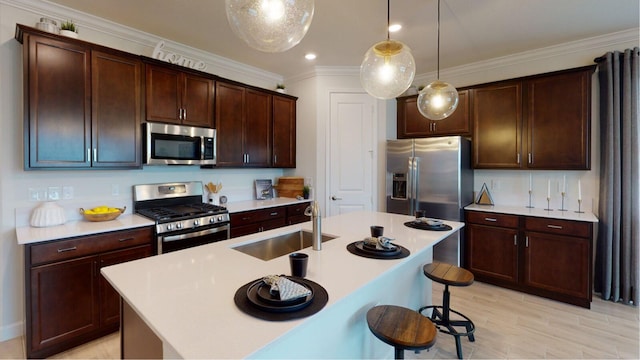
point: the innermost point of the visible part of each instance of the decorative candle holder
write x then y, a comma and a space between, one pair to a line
579, 205
562, 203
529, 206
548, 207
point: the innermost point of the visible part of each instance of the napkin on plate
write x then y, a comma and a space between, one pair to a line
381, 243
430, 222
287, 289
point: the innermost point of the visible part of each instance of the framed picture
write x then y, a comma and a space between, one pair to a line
264, 189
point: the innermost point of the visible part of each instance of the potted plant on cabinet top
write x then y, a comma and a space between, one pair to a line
69, 29
280, 88
305, 191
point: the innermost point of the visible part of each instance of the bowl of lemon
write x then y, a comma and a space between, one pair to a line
102, 213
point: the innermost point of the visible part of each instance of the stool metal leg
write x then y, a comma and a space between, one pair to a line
399, 353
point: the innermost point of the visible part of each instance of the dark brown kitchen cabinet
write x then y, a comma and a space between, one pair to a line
284, 132
295, 213
82, 104
253, 221
411, 123
541, 256
178, 97
537, 122
68, 302
243, 124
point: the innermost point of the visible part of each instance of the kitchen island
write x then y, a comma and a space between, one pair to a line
185, 300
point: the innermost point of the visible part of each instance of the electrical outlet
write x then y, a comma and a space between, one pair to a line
115, 190
67, 192
33, 194
53, 193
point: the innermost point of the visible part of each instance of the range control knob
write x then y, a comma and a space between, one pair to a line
196, 223
170, 227
220, 217
212, 220
179, 226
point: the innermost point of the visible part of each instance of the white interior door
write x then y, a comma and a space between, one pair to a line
351, 148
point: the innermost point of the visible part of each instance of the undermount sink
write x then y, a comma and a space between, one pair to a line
274, 247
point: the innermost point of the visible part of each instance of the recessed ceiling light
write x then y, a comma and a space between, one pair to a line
310, 56
395, 27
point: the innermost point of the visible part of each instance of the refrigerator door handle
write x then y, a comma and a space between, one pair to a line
414, 163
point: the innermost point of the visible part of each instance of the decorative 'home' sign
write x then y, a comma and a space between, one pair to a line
178, 59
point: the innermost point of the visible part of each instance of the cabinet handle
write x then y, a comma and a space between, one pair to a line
184, 114
246, 218
88, 154
530, 158
180, 113
518, 158
275, 213
95, 154
491, 219
554, 226
67, 249
126, 239
526, 243
515, 240
434, 126
275, 159
247, 158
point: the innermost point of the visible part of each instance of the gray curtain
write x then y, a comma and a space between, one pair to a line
617, 273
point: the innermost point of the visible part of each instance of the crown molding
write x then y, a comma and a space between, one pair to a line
142, 39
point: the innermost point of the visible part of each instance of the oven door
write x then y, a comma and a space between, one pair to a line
189, 238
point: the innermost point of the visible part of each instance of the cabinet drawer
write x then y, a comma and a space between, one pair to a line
556, 226
297, 209
87, 245
253, 216
492, 219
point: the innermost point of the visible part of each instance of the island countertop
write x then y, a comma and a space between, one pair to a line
186, 297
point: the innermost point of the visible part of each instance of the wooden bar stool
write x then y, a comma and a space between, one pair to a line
448, 274
402, 328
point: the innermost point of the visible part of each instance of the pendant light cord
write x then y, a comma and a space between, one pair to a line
438, 61
388, 12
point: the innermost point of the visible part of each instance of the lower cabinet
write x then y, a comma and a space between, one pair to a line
541, 256
68, 302
253, 221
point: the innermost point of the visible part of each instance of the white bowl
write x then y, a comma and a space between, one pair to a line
47, 214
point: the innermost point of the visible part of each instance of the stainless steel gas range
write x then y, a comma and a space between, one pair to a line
182, 219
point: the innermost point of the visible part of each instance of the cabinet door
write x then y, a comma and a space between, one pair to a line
559, 264
284, 132
109, 298
497, 126
116, 100
163, 94
410, 122
57, 111
63, 302
257, 128
558, 121
197, 101
229, 127
458, 122
492, 253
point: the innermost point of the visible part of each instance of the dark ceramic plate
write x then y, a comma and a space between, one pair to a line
273, 304
361, 246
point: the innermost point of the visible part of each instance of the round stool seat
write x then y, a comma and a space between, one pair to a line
402, 328
448, 274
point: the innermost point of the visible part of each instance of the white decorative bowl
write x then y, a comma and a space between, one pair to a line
47, 214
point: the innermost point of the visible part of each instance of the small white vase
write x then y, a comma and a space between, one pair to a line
47, 214
283, 91
69, 33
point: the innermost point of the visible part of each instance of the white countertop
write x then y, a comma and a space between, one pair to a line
538, 212
239, 206
186, 297
28, 234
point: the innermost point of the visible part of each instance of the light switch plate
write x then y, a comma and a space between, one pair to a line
67, 192
53, 193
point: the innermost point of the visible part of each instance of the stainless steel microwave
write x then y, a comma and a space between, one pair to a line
166, 144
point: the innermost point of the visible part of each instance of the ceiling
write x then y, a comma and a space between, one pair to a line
343, 30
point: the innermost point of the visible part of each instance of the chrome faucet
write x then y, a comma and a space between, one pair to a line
313, 211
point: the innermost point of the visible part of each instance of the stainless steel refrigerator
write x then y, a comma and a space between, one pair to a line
434, 175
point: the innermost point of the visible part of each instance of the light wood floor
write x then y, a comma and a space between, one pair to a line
509, 325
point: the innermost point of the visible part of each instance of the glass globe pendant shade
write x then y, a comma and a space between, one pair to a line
270, 25
438, 100
387, 70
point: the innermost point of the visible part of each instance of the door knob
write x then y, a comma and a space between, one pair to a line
335, 198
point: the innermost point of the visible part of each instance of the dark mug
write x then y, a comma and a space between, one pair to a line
298, 262
420, 214
376, 231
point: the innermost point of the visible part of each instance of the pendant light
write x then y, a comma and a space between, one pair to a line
439, 99
270, 25
388, 68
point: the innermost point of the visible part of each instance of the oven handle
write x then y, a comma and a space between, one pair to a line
195, 234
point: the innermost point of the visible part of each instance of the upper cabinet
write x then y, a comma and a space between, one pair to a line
178, 97
284, 132
411, 123
540, 122
82, 105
